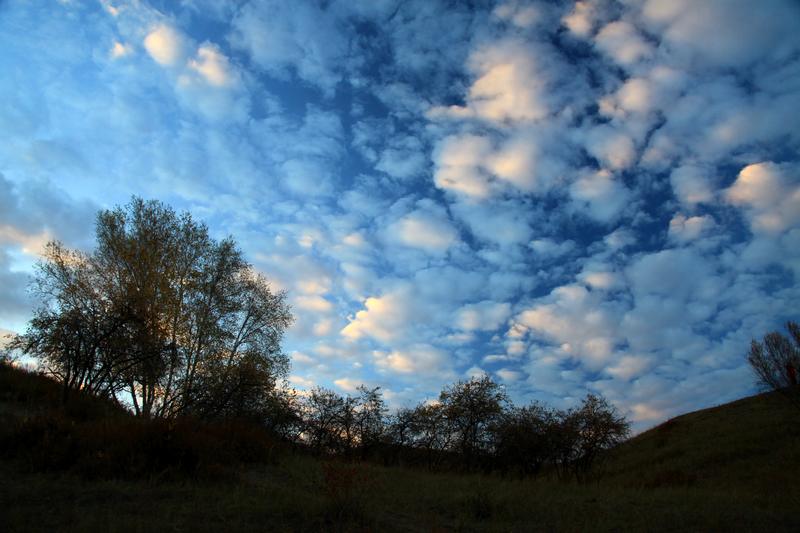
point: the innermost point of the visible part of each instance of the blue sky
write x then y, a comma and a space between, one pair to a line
570, 196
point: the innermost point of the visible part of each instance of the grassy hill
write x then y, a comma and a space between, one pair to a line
729, 468
750, 444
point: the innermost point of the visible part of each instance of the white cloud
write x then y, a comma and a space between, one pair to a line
600, 279
166, 45
612, 147
630, 366
347, 384
533, 160
691, 184
572, 318
427, 228
510, 375
725, 32
459, 160
580, 21
405, 158
687, 229
119, 50
421, 359
519, 14
770, 195
486, 316
384, 318
551, 248
602, 197
623, 43
508, 87
306, 40
503, 223
213, 66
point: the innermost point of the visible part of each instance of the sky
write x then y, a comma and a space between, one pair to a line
572, 197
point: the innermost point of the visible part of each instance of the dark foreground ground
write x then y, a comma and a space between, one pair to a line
731, 468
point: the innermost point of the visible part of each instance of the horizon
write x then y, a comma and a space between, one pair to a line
570, 197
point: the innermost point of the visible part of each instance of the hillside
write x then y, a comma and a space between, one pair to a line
729, 468
752, 444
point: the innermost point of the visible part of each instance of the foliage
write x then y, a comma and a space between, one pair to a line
471, 409
474, 426
335, 424
776, 362
159, 313
524, 439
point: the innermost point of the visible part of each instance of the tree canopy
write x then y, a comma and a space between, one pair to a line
160, 316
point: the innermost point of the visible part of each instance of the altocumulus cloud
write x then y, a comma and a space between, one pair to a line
595, 195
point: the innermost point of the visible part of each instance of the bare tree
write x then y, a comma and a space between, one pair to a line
776, 362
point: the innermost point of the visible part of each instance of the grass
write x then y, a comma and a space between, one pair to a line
731, 468
292, 497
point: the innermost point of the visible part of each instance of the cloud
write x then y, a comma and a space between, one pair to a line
769, 194
166, 45
519, 14
383, 318
486, 316
459, 161
405, 158
503, 223
213, 66
550, 248
572, 319
517, 81
306, 41
686, 229
348, 385
623, 43
612, 147
427, 228
600, 195
119, 50
420, 359
725, 33
692, 184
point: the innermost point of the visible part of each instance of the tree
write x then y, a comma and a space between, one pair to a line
523, 439
776, 362
161, 313
471, 409
430, 431
599, 427
322, 413
370, 418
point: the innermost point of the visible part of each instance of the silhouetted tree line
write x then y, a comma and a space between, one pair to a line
472, 426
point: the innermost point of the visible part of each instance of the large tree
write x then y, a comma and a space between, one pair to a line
161, 314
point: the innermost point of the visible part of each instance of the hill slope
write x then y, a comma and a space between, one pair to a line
752, 443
